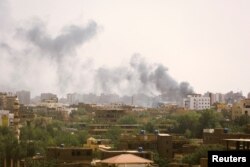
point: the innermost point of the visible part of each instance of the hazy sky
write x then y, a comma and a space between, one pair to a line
203, 42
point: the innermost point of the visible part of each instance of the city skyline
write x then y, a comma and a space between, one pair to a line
203, 43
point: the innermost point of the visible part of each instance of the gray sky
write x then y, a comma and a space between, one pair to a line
203, 42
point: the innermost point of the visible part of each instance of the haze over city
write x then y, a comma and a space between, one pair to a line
124, 47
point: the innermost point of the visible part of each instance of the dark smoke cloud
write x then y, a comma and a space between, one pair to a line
40, 62
61, 50
141, 77
71, 37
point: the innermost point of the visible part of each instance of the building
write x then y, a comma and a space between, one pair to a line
162, 143
3, 100
165, 145
101, 129
48, 96
73, 98
95, 144
10, 102
196, 102
70, 156
24, 97
241, 108
128, 160
236, 111
245, 106
6, 118
108, 115
217, 136
215, 97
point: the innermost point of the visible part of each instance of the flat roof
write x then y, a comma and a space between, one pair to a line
245, 140
163, 134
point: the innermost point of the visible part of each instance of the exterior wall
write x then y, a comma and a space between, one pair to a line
216, 136
236, 111
245, 106
109, 115
24, 97
197, 102
70, 155
48, 96
10, 103
204, 162
241, 108
3, 101
150, 142
165, 146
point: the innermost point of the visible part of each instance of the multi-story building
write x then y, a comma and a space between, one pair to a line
245, 106
163, 143
24, 97
70, 156
48, 96
10, 101
215, 97
73, 98
3, 100
108, 115
196, 102
241, 108
217, 136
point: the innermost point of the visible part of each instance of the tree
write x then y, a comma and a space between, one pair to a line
127, 119
190, 122
242, 120
201, 152
209, 119
114, 135
10, 149
162, 162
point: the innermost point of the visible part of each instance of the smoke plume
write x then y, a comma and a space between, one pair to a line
35, 60
140, 77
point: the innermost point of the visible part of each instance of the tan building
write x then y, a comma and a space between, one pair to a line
108, 115
71, 155
217, 136
163, 143
101, 129
236, 111
10, 103
95, 144
241, 108
245, 106
3, 100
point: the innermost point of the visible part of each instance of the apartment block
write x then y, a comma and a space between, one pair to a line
196, 102
24, 97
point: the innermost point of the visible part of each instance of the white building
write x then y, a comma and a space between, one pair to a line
196, 102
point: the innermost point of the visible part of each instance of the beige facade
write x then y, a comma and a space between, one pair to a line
241, 108
108, 115
217, 136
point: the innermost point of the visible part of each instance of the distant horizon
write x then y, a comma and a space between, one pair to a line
65, 95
